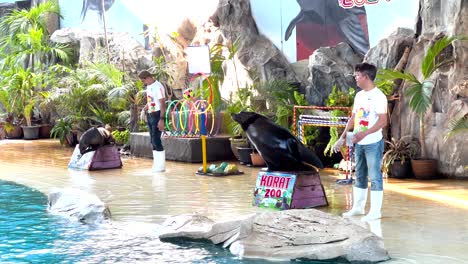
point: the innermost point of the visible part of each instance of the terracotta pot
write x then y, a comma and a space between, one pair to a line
257, 160
424, 169
44, 131
16, 133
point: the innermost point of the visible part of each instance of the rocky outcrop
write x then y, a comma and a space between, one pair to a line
287, 235
78, 205
449, 98
125, 52
329, 66
388, 52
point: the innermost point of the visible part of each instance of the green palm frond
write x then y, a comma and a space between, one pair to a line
107, 73
21, 21
457, 126
385, 74
429, 64
420, 96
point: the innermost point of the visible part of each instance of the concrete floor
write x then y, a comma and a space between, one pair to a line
423, 221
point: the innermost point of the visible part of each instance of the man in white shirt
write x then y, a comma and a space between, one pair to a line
368, 118
154, 110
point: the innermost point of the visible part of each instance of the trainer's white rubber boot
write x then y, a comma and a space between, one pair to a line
376, 206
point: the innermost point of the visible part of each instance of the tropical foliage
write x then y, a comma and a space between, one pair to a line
121, 137
27, 57
337, 98
62, 129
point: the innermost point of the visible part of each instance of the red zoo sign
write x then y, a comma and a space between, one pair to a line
358, 3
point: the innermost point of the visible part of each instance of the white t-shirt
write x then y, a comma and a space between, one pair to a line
367, 106
154, 92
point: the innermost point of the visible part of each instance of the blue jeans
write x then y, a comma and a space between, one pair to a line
368, 163
155, 134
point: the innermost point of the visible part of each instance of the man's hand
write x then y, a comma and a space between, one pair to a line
359, 136
337, 146
143, 115
161, 125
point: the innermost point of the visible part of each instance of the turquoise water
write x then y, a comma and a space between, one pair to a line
29, 234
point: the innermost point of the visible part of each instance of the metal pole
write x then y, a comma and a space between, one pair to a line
105, 30
281, 26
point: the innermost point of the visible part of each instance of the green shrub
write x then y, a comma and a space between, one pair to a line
121, 137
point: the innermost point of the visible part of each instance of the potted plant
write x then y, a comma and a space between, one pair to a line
419, 93
396, 159
63, 130
11, 123
30, 131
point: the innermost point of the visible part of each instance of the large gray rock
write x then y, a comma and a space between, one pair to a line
286, 235
450, 95
329, 66
387, 53
78, 205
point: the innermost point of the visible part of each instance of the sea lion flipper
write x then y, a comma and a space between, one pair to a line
292, 25
309, 157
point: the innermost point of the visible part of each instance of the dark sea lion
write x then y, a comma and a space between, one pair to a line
94, 138
278, 147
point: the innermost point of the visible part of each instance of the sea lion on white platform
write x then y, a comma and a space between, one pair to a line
278, 147
94, 138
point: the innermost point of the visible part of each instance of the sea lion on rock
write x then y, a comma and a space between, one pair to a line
278, 147
94, 138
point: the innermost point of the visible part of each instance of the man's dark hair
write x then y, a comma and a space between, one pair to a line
144, 74
368, 69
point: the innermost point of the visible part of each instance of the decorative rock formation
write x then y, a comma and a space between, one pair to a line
125, 52
78, 205
286, 235
388, 51
330, 66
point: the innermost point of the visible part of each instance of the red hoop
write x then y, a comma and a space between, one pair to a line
210, 98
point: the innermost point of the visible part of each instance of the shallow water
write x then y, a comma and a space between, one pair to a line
424, 222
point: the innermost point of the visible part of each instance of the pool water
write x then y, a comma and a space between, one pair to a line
30, 234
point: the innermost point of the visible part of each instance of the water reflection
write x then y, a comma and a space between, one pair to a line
81, 179
375, 226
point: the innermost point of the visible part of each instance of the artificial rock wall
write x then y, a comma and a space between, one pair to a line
450, 96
